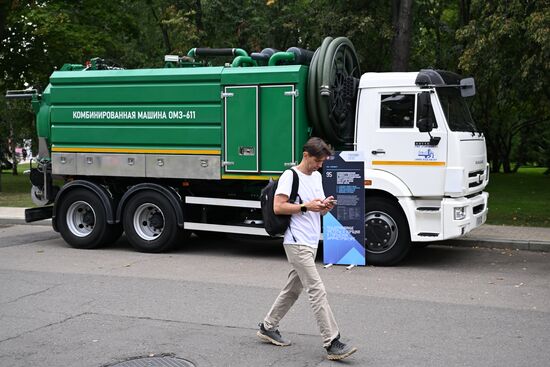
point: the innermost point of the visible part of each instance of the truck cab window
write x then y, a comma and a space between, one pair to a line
456, 110
397, 111
421, 112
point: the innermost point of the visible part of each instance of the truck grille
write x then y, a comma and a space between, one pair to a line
473, 176
478, 208
473, 195
475, 173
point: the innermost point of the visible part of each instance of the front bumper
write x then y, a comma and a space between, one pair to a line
476, 214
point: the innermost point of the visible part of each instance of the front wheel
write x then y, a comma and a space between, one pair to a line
387, 238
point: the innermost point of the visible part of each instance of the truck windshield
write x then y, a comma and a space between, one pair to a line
456, 110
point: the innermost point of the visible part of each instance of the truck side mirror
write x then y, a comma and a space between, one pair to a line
425, 121
425, 125
467, 87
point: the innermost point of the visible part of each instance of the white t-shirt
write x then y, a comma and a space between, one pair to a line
305, 228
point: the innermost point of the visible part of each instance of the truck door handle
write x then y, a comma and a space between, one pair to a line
378, 151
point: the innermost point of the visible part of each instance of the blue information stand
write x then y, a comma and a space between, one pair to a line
344, 226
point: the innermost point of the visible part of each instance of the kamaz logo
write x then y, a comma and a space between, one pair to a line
478, 162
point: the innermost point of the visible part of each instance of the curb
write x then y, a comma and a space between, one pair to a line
538, 246
20, 221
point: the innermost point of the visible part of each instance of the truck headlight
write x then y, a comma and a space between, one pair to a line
460, 213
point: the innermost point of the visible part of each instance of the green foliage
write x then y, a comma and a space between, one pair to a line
15, 189
434, 38
504, 45
507, 49
519, 199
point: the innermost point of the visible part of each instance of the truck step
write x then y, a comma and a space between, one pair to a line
429, 209
428, 234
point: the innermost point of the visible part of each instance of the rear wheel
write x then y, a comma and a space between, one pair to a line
387, 238
150, 222
82, 221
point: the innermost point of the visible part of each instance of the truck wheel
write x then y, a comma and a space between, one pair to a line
150, 222
82, 221
387, 239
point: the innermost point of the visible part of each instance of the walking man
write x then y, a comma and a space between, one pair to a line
300, 244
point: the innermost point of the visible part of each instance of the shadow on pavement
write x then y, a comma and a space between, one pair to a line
231, 245
251, 246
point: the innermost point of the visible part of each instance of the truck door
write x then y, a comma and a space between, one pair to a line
276, 128
397, 146
241, 129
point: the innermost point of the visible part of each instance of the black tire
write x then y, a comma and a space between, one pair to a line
82, 221
387, 236
150, 222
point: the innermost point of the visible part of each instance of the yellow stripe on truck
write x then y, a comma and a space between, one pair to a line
135, 150
406, 163
246, 177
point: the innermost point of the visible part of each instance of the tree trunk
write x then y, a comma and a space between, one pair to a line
506, 167
5, 6
198, 20
438, 58
13, 154
163, 29
402, 23
495, 165
465, 6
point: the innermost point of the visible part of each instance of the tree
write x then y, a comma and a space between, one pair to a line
507, 48
402, 24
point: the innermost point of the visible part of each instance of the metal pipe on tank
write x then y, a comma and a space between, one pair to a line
281, 56
243, 60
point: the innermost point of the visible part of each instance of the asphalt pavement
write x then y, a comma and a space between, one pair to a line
442, 306
487, 236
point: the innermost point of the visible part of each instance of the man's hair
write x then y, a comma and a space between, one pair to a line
317, 147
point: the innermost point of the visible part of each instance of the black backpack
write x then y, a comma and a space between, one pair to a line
275, 224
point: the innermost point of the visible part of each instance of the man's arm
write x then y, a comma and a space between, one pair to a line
282, 206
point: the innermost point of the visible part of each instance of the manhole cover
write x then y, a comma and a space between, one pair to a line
155, 362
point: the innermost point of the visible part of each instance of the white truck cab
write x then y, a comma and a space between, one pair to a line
423, 155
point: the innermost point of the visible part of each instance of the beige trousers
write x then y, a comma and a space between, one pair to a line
304, 274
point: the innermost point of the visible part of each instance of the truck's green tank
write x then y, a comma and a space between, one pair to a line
252, 118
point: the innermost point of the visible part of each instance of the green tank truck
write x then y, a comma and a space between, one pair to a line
161, 153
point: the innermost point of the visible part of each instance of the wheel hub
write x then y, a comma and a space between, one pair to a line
80, 218
88, 218
380, 232
148, 221
156, 221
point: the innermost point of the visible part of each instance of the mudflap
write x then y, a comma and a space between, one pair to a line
40, 213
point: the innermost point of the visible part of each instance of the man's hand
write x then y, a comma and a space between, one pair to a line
329, 202
315, 205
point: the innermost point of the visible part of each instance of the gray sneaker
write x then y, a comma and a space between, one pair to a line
338, 350
273, 337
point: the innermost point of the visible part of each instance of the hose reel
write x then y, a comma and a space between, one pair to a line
333, 81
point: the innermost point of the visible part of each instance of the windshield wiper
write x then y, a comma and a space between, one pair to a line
473, 126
